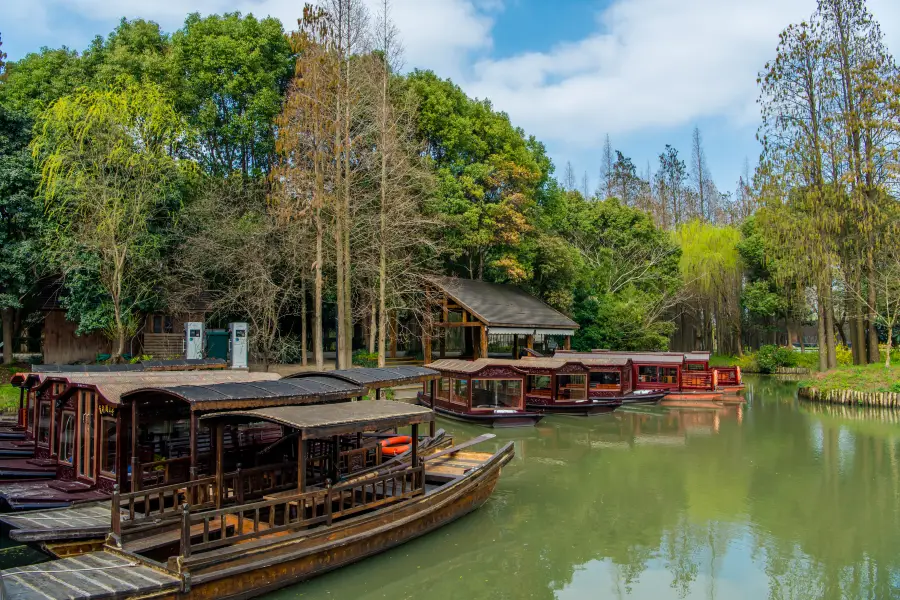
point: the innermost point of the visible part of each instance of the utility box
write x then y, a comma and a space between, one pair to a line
238, 345
193, 341
217, 343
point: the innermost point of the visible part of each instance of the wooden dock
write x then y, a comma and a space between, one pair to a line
94, 575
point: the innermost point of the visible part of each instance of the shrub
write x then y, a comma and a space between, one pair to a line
844, 355
895, 387
771, 357
361, 358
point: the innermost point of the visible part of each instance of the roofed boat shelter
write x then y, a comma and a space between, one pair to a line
488, 312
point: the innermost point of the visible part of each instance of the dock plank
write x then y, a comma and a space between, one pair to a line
90, 576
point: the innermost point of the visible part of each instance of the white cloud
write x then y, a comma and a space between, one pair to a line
437, 34
651, 64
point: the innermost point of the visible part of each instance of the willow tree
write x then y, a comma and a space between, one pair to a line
109, 178
711, 267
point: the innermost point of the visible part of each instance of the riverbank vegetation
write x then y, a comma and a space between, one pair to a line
299, 179
859, 378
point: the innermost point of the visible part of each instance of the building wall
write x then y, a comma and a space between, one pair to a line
61, 345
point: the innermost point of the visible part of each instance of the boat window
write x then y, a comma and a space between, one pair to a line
605, 380
108, 445
86, 446
670, 374
695, 367
460, 392
648, 374
539, 385
43, 434
67, 438
571, 387
496, 393
443, 388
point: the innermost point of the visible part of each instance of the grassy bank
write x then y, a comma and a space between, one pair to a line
9, 396
769, 358
869, 378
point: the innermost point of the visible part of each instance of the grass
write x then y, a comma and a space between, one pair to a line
9, 395
868, 378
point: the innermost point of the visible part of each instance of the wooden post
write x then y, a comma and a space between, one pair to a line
195, 425
414, 447
220, 460
529, 342
568, 343
116, 513
484, 342
301, 464
431, 430
515, 347
186, 530
335, 457
135, 461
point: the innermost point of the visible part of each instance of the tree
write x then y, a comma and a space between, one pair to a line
108, 177
136, 49
569, 178
670, 180
34, 82
605, 185
626, 185
231, 75
2, 59
703, 187
20, 220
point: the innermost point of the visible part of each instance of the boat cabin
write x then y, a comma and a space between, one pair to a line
503, 389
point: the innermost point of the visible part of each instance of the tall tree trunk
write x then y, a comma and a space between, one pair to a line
872, 301
318, 342
820, 325
304, 359
829, 328
840, 329
7, 336
373, 326
859, 335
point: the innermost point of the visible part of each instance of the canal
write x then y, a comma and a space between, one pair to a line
774, 499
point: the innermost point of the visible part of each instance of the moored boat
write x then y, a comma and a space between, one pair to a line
225, 546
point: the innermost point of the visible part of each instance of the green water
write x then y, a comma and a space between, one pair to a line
774, 499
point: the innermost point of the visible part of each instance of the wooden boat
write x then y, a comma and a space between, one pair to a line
567, 385
99, 427
227, 547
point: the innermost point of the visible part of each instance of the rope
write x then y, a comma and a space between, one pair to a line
39, 572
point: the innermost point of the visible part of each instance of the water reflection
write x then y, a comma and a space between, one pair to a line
773, 499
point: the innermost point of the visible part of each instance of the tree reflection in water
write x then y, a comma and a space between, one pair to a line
774, 498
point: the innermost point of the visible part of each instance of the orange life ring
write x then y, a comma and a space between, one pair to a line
395, 445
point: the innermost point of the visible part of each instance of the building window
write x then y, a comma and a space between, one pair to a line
459, 392
67, 438
443, 392
539, 385
108, 445
670, 375
43, 433
497, 393
162, 324
571, 387
605, 380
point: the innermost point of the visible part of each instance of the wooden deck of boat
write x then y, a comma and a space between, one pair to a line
458, 463
40, 525
94, 575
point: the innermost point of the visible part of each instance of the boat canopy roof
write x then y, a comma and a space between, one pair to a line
252, 394
637, 357
323, 420
375, 378
113, 386
474, 366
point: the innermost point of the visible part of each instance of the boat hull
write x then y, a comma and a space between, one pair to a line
643, 398
522, 419
581, 409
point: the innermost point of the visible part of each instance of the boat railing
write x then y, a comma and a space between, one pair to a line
294, 512
147, 508
728, 375
698, 380
162, 471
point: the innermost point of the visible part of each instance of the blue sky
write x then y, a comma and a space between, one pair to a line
646, 72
